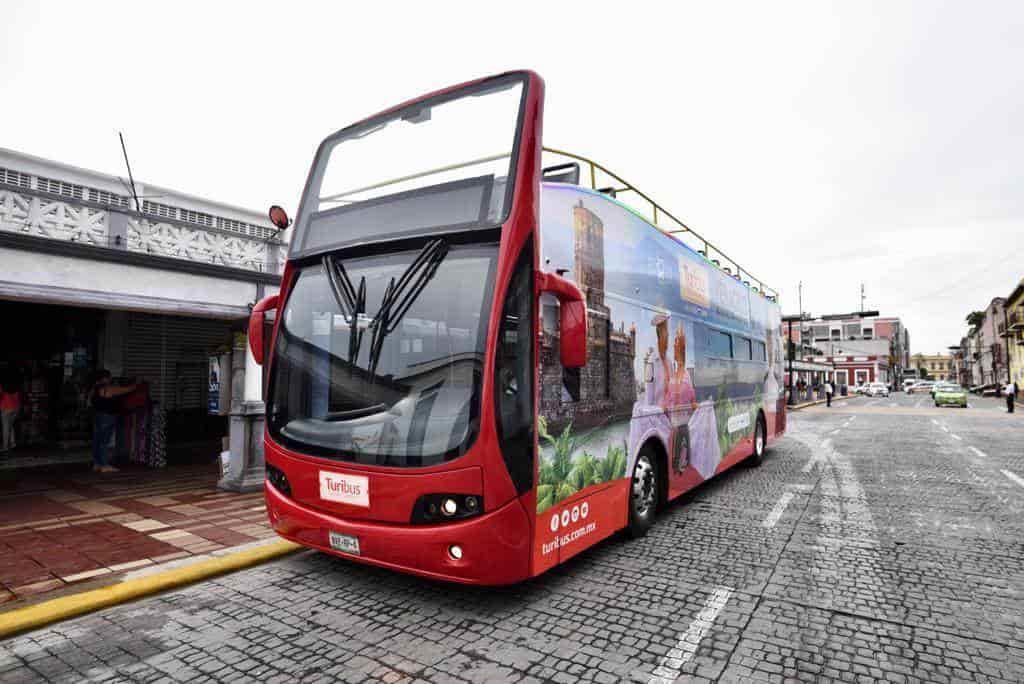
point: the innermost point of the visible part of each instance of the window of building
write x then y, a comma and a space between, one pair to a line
759, 352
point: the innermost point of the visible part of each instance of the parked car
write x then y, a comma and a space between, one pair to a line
951, 395
878, 389
860, 389
908, 383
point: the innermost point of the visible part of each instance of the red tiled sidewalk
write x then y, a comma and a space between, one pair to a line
57, 530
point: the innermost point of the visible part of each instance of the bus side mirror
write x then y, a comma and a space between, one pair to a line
572, 321
256, 319
279, 217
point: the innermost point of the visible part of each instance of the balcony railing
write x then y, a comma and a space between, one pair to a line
1015, 319
39, 213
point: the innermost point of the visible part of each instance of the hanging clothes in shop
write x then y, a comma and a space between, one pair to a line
141, 443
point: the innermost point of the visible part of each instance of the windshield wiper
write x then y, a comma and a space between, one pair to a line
351, 301
401, 295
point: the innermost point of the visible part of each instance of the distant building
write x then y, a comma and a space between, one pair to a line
988, 351
934, 366
958, 371
861, 348
1013, 329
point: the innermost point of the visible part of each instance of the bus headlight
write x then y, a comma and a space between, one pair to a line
435, 508
277, 478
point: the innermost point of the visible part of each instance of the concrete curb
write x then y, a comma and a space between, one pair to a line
45, 613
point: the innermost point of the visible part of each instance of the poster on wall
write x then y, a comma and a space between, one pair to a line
213, 391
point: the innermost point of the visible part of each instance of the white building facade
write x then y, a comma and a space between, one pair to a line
148, 288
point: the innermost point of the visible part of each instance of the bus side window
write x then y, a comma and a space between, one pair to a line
514, 368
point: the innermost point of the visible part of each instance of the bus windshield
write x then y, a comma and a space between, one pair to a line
438, 165
398, 392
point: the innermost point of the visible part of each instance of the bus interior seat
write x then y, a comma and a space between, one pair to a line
562, 173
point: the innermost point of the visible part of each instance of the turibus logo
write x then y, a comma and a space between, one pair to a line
350, 489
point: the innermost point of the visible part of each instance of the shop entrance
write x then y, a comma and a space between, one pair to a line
51, 355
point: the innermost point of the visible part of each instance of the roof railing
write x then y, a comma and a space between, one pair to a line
658, 216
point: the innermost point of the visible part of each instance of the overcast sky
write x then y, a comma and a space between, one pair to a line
880, 143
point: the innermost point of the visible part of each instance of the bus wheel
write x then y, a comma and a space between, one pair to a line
760, 433
643, 494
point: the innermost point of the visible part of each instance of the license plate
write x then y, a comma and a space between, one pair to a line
345, 543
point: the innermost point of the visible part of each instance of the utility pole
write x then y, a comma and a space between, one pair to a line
862, 296
800, 297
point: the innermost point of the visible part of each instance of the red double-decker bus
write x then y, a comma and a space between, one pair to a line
481, 366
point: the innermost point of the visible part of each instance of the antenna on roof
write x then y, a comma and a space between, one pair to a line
135, 195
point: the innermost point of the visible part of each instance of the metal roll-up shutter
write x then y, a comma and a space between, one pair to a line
170, 353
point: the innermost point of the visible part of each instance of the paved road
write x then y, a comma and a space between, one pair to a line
883, 539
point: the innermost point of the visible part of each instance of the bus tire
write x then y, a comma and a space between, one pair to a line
643, 493
760, 440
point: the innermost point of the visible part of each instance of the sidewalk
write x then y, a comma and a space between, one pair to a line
796, 407
58, 530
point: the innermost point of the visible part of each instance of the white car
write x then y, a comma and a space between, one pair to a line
878, 389
860, 389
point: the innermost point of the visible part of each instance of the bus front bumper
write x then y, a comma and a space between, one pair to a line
495, 546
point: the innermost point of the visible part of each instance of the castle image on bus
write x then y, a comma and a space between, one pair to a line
481, 365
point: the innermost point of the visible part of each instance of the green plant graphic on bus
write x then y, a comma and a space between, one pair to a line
570, 468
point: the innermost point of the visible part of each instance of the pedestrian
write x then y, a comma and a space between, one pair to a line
1011, 394
10, 407
828, 393
106, 407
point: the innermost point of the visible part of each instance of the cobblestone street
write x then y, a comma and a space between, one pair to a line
882, 539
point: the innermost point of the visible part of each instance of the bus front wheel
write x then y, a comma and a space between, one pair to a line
760, 439
643, 494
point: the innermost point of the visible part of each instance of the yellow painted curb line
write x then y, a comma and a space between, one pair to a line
48, 612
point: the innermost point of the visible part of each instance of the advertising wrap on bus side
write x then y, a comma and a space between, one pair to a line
682, 359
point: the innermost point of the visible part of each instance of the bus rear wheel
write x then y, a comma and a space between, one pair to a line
643, 494
760, 439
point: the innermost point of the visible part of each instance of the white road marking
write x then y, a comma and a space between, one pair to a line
954, 436
978, 451
801, 487
944, 428
935, 422
776, 513
852, 418
1013, 476
669, 666
836, 431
